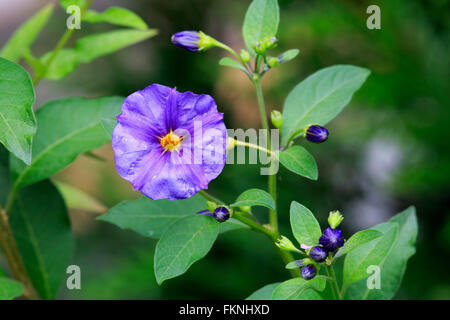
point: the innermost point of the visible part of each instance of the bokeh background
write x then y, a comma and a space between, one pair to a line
387, 150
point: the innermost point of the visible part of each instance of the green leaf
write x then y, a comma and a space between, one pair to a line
5, 184
304, 226
265, 293
183, 243
151, 218
294, 264
25, 35
90, 47
67, 128
372, 253
109, 125
228, 62
41, 226
17, 120
261, 21
66, 3
299, 289
358, 239
117, 16
78, 199
255, 197
298, 160
393, 266
288, 55
320, 97
231, 225
10, 289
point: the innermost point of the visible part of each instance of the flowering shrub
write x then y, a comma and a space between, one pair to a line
169, 145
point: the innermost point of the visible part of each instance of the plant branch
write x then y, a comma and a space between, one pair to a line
14, 258
334, 284
61, 43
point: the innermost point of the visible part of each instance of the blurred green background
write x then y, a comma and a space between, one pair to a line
387, 150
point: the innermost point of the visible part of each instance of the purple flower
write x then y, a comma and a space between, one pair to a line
221, 213
189, 40
308, 272
331, 239
318, 254
169, 144
316, 133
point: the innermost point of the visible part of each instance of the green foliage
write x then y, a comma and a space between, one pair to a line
261, 21
298, 160
90, 47
67, 128
4, 175
320, 97
183, 243
41, 226
78, 199
25, 35
288, 55
299, 289
17, 120
373, 253
392, 261
117, 16
228, 62
66, 3
304, 226
358, 239
9, 289
265, 293
151, 218
255, 197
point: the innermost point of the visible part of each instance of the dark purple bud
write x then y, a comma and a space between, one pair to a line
331, 239
308, 272
318, 254
188, 40
221, 214
316, 133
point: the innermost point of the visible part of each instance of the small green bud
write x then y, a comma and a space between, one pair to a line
259, 47
334, 219
273, 62
277, 118
265, 44
245, 56
270, 42
285, 244
255, 77
246, 209
211, 206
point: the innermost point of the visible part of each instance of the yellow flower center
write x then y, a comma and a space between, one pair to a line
171, 142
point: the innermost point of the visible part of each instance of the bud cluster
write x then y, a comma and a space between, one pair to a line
329, 242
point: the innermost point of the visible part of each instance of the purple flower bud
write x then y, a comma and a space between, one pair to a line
188, 40
308, 272
221, 214
318, 254
331, 239
316, 133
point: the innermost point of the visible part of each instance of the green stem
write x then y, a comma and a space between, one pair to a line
272, 182
334, 284
14, 258
255, 226
254, 146
61, 43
